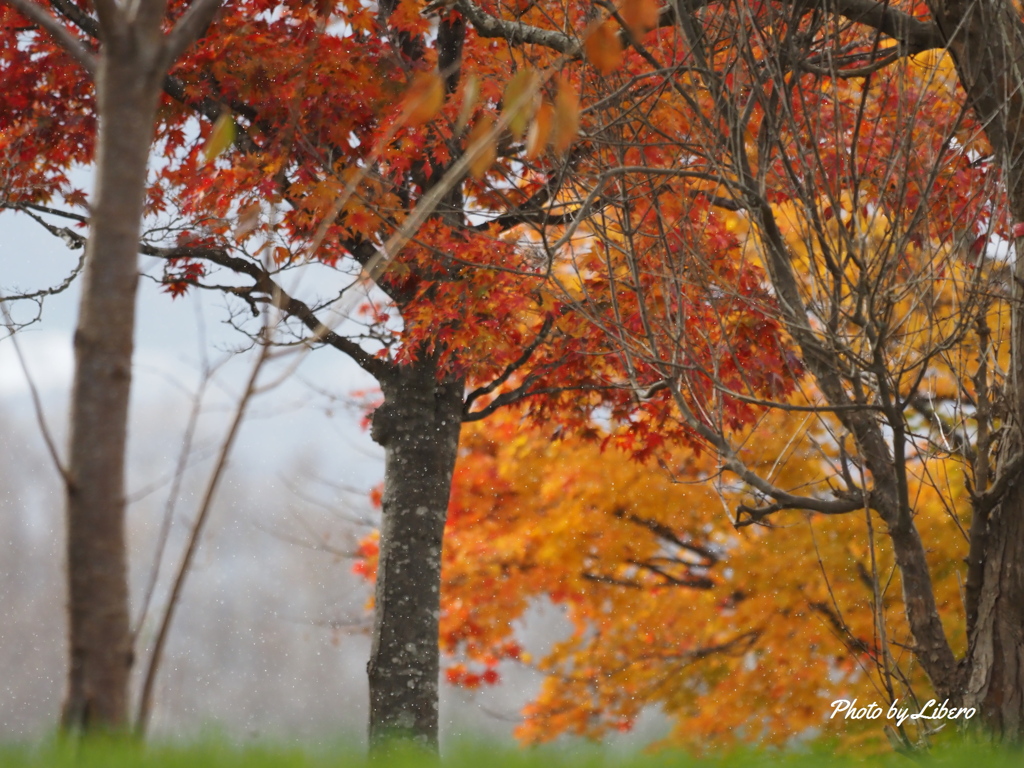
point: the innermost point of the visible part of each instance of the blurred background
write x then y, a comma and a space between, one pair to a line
271, 636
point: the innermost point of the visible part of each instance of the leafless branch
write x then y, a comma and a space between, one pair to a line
173, 600
37, 403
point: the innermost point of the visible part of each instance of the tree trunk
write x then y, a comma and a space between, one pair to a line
99, 629
995, 669
418, 426
986, 41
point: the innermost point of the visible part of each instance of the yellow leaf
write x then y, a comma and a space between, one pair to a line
567, 116
604, 48
221, 137
540, 130
424, 98
482, 144
470, 94
640, 16
518, 101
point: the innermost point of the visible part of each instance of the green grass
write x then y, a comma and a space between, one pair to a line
220, 754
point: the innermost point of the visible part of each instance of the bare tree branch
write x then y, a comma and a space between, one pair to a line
518, 32
512, 367
37, 403
174, 598
278, 297
80, 18
914, 35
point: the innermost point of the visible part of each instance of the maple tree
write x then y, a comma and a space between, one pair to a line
348, 118
736, 635
341, 132
796, 161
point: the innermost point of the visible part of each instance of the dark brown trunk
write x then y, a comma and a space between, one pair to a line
99, 631
418, 426
931, 646
986, 41
995, 682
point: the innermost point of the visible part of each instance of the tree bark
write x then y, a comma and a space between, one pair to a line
418, 425
986, 41
99, 624
995, 661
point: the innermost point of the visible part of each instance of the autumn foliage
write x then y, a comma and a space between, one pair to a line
736, 636
877, 189
725, 282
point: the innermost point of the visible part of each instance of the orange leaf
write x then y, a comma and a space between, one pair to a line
540, 130
604, 48
482, 143
519, 7
640, 16
567, 116
424, 98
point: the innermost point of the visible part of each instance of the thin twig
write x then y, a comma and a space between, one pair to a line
144, 710
37, 403
172, 501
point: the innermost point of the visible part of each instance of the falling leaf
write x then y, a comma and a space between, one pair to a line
470, 94
567, 116
424, 98
248, 220
518, 102
540, 131
604, 48
221, 137
481, 144
640, 16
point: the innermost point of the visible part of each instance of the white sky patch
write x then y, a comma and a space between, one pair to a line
48, 356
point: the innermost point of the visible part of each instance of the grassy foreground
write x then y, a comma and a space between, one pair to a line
112, 754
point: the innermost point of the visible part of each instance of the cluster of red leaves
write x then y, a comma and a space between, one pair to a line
317, 95
47, 123
180, 275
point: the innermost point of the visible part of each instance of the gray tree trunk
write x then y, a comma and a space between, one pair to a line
100, 634
129, 74
418, 425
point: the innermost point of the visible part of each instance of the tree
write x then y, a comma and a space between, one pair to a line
351, 121
736, 635
128, 70
876, 195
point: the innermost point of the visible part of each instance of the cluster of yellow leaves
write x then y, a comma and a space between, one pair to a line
774, 625
924, 292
